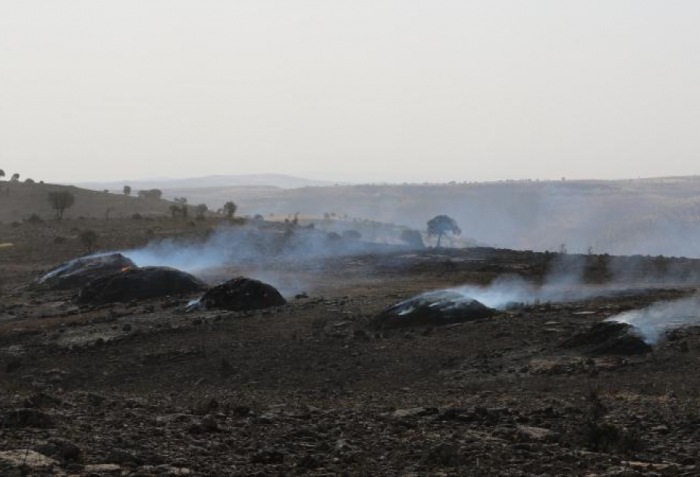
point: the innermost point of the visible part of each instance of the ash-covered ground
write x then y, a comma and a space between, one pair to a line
313, 387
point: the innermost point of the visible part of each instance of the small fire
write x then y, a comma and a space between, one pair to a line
125, 269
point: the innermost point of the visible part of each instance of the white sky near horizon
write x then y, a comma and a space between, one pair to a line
361, 91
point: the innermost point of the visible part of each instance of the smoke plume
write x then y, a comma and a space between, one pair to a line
653, 322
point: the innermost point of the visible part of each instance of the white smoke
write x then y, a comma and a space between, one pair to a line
263, 254
511, 290
653, 322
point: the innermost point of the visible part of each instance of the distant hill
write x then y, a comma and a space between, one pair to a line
270, 180
20, 200
645, 216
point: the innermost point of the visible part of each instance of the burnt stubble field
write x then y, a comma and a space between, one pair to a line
315, 387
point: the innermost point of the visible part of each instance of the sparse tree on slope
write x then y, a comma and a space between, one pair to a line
441, 225
60, 201
202, 210
230, 209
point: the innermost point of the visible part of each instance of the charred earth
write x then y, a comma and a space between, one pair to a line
137, 387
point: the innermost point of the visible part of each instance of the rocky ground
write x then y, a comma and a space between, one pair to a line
310, 388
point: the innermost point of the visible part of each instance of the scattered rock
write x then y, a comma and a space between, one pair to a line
446, 454
529, 433
26, 458
413, 412
27, 417
58, 448
122, 457
40, 400
102, 469
267, 457
206, 424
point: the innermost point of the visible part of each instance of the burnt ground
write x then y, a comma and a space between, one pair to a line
308, 388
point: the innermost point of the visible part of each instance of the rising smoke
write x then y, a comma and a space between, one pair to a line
653, 322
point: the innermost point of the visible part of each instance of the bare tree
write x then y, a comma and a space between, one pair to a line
60, 201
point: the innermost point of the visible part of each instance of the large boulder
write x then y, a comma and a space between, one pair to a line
139, 284
609, 338
79, 272
433, 309
240, 294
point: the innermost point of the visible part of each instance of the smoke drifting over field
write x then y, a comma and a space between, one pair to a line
229, 246
653, 322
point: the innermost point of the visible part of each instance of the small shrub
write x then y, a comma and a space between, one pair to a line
333, 237
59, 240
15, 224
89, 240
137, 216
34, 219
352, 235
607, 437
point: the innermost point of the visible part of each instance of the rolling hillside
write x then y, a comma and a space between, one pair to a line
18, 201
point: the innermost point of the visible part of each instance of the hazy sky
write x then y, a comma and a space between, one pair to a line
354, 90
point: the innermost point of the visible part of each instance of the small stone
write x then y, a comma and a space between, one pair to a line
267, 457
122, 457
59, 448
530, 433
26, 458
102, 469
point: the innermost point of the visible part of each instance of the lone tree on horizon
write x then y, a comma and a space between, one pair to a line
441, 225
60, 201
230, 209
127, 190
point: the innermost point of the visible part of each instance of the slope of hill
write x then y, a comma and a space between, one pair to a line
18, 201
271, 180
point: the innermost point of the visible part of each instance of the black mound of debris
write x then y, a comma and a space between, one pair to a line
433, 309
139, 284
609, 338
79, 272
239, 294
